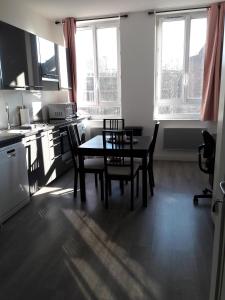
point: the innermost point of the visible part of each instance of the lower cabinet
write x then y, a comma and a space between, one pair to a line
37, 157
48, 156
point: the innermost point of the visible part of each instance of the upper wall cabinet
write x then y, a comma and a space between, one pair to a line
14, 68
27, 61
64, 68
48, 61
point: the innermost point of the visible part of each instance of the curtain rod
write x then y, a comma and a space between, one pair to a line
176, 10
93, 19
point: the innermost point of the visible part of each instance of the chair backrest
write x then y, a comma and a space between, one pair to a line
74, 133
117, 124
154, 137
120, 141
73, 142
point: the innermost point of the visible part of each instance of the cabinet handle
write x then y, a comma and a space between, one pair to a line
37, 138
52, 75
54, 145
54, 139
11, 153
54, 132
58, 156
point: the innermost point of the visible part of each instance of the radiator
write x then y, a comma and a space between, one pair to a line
186, 139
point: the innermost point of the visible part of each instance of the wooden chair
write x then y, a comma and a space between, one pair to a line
150, 159
115, 124
91, 165
118, 166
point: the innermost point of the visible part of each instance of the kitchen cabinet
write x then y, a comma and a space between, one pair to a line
48, 156
59, 152
14, 68
14, 185
27, 61
64, 68
34, 69
37, 156
48, 60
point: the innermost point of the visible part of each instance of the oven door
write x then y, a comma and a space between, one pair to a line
60, 154
64, 144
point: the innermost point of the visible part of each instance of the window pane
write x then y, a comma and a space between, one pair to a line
107, 64
172, 59
85, 65
196, 57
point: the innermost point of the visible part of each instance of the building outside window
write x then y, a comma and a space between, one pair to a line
180, 47
98, 69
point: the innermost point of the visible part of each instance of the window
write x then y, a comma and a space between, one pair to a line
180, 62
98, 69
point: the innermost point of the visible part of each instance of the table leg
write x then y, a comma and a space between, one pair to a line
144, 181
82, 179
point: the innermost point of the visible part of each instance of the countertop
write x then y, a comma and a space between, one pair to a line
16, 134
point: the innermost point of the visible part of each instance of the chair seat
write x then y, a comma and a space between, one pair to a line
122, 170
94, 163
138, 161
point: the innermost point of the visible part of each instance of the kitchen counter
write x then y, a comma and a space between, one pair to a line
7, 138
16, 134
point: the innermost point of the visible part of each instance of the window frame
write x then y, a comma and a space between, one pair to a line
160, 18
97, 103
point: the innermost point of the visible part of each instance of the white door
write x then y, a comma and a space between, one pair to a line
217, 276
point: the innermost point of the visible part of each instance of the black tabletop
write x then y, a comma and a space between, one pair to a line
94, 146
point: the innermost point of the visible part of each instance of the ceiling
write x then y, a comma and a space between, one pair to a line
56, 9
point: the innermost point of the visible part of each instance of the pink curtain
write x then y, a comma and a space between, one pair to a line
212, 64
69, 29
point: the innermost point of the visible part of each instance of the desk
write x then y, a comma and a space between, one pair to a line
94, 147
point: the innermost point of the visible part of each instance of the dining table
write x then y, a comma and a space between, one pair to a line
94, 147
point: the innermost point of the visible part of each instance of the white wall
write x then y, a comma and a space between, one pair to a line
137, 69
24, 18
137, 82
36, 101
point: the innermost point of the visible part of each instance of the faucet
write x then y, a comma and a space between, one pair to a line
7, 111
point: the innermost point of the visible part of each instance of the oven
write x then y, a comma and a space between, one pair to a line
60, 152
65, 150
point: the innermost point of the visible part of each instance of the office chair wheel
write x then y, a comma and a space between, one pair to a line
195, 201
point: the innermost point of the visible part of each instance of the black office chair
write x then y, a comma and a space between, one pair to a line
206, 161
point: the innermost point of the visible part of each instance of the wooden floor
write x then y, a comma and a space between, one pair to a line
56, 248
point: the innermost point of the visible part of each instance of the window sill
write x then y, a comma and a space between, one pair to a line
167, 119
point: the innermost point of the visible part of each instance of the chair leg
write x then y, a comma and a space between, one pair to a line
102, 185
132, 194
137, 185
152, 176
107, 184
110, 187
150, 182
96, 180
75, 184
121, 187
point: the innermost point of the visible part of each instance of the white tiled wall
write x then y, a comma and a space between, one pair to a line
36, 101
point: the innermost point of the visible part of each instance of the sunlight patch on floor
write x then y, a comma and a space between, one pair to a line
126, 272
